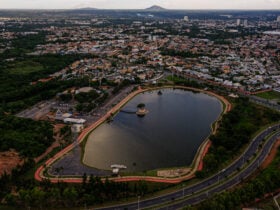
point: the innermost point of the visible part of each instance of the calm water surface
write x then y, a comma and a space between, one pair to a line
169, 135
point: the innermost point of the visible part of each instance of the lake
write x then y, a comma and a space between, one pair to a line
168, 136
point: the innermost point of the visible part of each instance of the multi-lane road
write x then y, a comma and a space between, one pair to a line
226, 178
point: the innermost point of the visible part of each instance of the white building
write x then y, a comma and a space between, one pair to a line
77, 128
245, 23
238, 21
74, 121
186, 18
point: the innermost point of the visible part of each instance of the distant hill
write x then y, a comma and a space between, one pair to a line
155, 8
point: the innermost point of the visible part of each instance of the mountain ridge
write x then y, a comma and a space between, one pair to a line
155, 8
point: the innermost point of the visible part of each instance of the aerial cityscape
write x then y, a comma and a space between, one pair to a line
139, 104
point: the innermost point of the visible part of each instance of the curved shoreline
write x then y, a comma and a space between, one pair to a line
197, 162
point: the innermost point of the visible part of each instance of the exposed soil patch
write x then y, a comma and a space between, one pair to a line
56, 143
173, 172
9, 160
271, 155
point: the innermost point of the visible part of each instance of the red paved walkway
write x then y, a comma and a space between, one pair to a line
198, 163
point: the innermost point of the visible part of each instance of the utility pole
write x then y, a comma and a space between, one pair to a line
138, 206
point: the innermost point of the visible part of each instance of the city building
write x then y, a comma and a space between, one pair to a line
245, 23
238, 22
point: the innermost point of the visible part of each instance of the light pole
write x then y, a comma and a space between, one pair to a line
183, 190
220, 174
138, 206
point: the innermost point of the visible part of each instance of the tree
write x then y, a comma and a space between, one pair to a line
70, 195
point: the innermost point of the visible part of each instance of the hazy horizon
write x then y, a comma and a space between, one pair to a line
133, 4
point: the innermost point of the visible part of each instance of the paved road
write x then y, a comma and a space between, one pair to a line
268, 103
38, 110
219, 177
232, 181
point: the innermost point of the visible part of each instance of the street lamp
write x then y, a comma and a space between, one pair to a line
220, 174
138, 206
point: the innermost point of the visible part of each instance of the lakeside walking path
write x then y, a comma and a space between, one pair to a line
197, 163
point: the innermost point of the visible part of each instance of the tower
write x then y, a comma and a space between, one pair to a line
245, 23
238, 22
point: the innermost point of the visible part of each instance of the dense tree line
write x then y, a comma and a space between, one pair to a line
16, 93
86, 97
23, 44
184, 54
91, 191
236, 129
267, 181
122, 85
27, 96
186, 82
28, 137
14, 99
89, 101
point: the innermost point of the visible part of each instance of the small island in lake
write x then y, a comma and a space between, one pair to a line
142, 111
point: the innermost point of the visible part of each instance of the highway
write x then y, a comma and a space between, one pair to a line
218, 182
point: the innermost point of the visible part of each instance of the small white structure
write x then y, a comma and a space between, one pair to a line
116, 168
66, 115
74, 121
115, 171
232, 95
84, 90
58, 113
186, 18
77, 128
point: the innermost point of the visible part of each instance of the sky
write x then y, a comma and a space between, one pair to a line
140, 4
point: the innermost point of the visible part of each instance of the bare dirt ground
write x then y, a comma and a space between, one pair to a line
55, 144
173, 172
271, 155
9, 160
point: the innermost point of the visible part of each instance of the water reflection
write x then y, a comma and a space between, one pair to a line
169, 135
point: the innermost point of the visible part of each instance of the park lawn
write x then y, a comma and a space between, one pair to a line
24, 67
175, 78
269, 95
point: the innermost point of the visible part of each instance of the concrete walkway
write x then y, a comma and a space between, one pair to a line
197, 164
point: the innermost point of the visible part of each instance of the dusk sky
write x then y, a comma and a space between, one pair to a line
140, 4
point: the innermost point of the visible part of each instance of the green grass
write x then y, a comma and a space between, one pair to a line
269, 95
175, 79
24, 67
